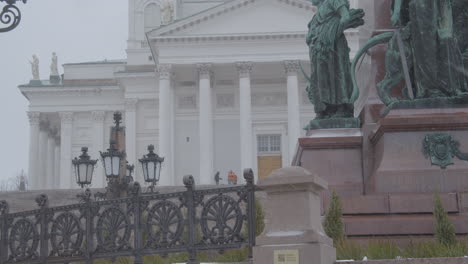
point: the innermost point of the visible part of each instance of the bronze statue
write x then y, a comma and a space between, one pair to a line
426, 51
330, 88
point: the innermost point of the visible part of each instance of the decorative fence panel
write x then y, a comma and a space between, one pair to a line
138, 225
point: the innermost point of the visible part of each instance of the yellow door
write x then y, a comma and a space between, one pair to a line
267, 164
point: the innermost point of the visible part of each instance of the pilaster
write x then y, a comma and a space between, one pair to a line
130, 131
292, 68
206, 123
244, 70
165, 123
34, 119
66, 130
98, 117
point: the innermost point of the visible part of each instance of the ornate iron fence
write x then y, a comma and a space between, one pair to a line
141, 224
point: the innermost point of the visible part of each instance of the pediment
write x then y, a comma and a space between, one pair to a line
243, 17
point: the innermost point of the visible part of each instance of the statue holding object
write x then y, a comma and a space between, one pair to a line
427, 52
330, 87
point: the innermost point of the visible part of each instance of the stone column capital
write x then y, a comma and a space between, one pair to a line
66, 117
164, 71
244, 68
292, 67
130, 104
34, 118
98, 116
204, 70
44, 125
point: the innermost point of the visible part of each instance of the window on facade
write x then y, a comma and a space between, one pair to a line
268, 143
152, 17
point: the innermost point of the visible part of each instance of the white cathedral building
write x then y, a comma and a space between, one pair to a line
215, 85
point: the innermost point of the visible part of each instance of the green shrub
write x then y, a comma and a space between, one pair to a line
333, 223
444, 230
346, 249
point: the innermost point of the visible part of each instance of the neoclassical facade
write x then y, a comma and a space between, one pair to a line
214, 85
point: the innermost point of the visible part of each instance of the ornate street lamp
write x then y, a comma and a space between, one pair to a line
151, 165
10, 16
84, 168
111, 161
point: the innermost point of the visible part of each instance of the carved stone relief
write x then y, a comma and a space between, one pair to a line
187, 101
269, 99
225, 101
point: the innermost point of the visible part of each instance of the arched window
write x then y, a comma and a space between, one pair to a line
152, 17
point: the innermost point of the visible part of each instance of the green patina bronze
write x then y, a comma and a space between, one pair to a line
433, 36
441, 148
330, 87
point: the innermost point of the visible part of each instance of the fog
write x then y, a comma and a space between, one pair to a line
77, 30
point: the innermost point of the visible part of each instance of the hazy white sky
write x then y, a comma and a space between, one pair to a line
78, 30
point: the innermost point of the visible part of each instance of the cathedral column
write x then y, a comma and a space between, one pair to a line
57, 162
294, 124
130, 132
245, 103
42, 156
99, 179
206, 124
34, 119
66, 127
165, 124
50, 165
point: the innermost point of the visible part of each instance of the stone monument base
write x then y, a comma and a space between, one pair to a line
385, 180
335, 155
293, 231
400, 163
54, 79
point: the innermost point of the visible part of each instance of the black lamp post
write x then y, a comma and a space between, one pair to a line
112, 159
129, 175
84, 168
10, 15
151, 164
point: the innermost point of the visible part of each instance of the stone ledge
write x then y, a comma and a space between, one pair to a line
404, 225
460, 260
404, 120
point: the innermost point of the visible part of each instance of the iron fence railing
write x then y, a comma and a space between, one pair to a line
141, 224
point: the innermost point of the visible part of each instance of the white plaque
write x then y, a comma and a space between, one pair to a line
286, 256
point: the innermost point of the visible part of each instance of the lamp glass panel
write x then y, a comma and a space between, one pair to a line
77, 176
151, 170
158, 170
115, 165
89, 175
145, 171
82, 172
108, 165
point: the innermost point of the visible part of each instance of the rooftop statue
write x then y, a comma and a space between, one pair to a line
427, 52
54, 65
167, 11
330, 87
35, 67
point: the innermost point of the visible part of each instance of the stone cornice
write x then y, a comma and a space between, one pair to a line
218, 11
69, 91
276, 36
